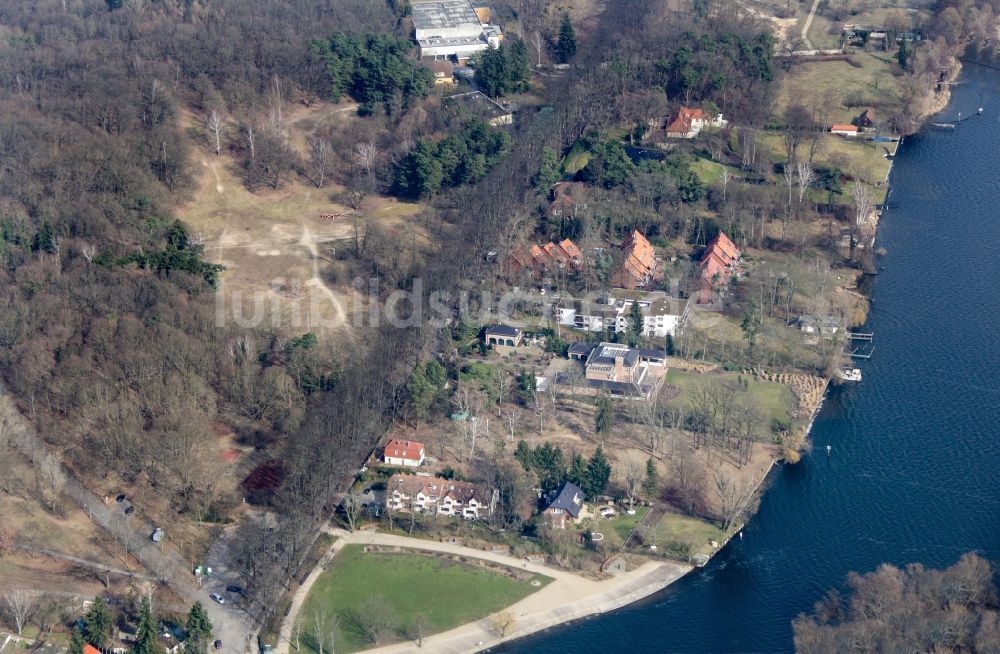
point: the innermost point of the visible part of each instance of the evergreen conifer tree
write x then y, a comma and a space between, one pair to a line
566, 45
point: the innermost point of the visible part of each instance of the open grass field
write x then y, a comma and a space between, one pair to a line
697, 533
848, 88
446, 593
775, 401
616, 529
707, 171
854, 157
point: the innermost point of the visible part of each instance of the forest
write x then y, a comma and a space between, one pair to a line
914, 609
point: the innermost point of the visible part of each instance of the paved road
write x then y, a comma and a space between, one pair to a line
567, 597
231, 625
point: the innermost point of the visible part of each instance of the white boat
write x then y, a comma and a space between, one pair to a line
850, 374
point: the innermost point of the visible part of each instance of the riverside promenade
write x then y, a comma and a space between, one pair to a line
566, 598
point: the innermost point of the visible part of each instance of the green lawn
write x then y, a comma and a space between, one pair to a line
618, 528
576, 160
774, 400
872, 82
447, 593
697, 533
707, 171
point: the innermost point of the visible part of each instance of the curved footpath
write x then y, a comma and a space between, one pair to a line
568, 597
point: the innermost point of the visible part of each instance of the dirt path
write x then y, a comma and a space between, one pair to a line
806, 25
93, 565
308, 241
568, 597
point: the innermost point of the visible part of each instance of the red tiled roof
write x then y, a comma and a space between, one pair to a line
728, 248
556, 252
640, 258
541, 258
571, 250
90, 649
712, 263
682, 123
402, 449
843, 128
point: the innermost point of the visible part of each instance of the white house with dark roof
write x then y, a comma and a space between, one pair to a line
565, 502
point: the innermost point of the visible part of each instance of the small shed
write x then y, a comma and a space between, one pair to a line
844, 130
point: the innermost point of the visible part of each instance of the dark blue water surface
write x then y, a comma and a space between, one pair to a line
915, 468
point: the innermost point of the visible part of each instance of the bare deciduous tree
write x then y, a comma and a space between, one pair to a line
323, 630
375, 619
51, 480
251, 139
417, 629
365, 156
735, 499
512, 417
19, 604
353, 505
321, 158
632, 471
215, 125
806, 177
724, 178
503, 623
864, 202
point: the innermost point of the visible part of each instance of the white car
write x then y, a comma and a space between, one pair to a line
607, 512
218, 598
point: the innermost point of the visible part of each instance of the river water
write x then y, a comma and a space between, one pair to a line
914, 473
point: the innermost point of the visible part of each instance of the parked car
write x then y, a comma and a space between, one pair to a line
120, 498
129, 510
607, 512
235, 589
218, 598
217, 644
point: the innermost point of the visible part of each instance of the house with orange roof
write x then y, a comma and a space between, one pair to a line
638, 268
688, 122
844, 130
399, 452
541, 260
571, 250
725, 247
719, 262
